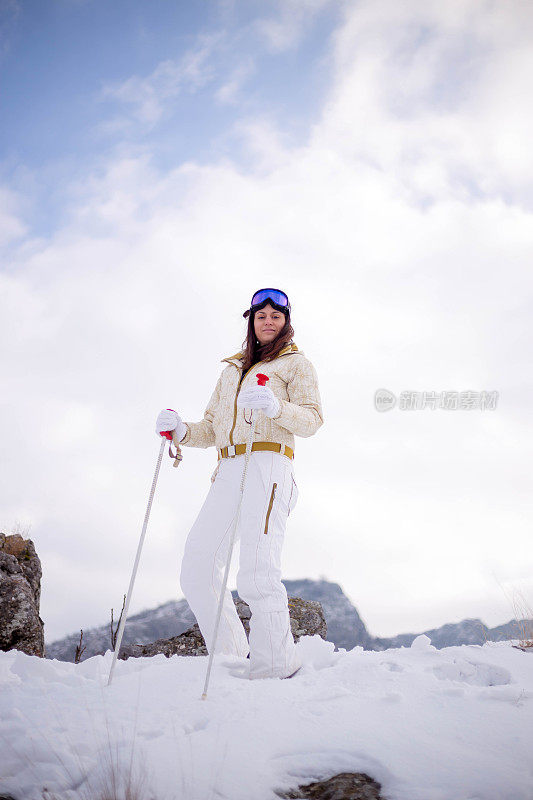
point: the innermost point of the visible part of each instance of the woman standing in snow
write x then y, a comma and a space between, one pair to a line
289, 405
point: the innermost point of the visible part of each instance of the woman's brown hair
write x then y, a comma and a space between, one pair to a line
254, 351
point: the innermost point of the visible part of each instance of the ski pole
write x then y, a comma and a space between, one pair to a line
261, 380
165, 435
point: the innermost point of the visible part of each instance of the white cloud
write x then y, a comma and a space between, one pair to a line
231, 91
11, 225
424, 88
147, 98
403, 237
286, 27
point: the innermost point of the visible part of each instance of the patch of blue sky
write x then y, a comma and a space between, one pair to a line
285, 89
62, 53
63, 105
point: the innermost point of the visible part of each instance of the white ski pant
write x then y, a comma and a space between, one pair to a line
270, 493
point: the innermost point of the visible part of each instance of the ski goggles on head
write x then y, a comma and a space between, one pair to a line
276, 297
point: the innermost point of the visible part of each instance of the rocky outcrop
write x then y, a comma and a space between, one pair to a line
344, 786
21, 627
345, 627
306, 616
164, 621
174, 617
189, 643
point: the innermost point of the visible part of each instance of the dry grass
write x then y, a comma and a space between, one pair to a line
484, 630
21, 529
18, 528
115, 781
109, 773
524, 618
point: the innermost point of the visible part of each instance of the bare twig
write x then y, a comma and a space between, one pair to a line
79, 649
114, 631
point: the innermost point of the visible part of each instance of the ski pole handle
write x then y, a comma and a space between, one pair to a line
177, 455
167, 434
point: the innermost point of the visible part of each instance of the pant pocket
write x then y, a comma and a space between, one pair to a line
293, 495
270, 504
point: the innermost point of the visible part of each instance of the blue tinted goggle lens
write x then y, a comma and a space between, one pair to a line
277, 297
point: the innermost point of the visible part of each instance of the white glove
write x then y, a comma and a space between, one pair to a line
169, 420
259, 397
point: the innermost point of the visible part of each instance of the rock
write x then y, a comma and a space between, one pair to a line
344, 786
21, 627
306, 616
346, 629
190, 643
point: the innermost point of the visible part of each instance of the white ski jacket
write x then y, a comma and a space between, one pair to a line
293, 380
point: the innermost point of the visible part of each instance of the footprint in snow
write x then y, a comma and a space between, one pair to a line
199, 725
393, 666
474, 673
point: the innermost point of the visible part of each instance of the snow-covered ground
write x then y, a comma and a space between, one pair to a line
451, 724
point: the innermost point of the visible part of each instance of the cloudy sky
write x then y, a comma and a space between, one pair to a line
161, 161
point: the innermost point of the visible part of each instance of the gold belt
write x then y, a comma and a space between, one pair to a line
240, 449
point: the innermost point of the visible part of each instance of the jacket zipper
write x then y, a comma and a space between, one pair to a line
235, 401
274, 486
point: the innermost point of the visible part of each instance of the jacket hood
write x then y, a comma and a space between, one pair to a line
238, 358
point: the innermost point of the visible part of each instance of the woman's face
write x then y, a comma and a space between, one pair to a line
268, 322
